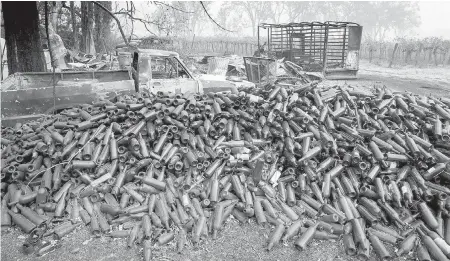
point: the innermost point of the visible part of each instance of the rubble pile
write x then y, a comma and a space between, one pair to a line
370, 169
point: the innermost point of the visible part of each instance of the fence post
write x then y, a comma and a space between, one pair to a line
393, 54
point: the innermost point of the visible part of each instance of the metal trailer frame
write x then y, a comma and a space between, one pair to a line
260, 70
328, 47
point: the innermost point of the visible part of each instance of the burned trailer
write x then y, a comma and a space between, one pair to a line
330, 47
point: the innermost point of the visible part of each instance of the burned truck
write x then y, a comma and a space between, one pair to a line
330, 47
29, 96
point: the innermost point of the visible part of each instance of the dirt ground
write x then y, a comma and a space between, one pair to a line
424, 81
237, 242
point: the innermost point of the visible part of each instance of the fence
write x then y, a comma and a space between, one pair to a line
218, 47
416, 52
406, 53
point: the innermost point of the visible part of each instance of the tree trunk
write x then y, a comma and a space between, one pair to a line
97, 30
55, 10
23, 42
106, 24
102, 30
87, 26
84, 25
76, 43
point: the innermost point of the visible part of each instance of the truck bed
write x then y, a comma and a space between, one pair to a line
27, 96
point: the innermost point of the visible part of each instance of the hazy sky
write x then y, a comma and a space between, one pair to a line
435, 18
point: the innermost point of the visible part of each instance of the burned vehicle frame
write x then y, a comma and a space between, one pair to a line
329, 47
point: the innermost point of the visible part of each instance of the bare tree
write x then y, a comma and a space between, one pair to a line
278, 10
303, 11
130, 15
255, 11
378, 18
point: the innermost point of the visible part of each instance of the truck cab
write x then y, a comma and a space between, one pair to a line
160, 70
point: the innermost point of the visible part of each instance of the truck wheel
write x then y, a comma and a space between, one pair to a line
61, 107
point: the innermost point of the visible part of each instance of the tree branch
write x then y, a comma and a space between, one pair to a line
130, 13
204, 8
143, 21
115, 18
161, 3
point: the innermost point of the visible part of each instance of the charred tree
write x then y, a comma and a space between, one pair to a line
76, 44
97, 30
23, 41
102, 26
87, 27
